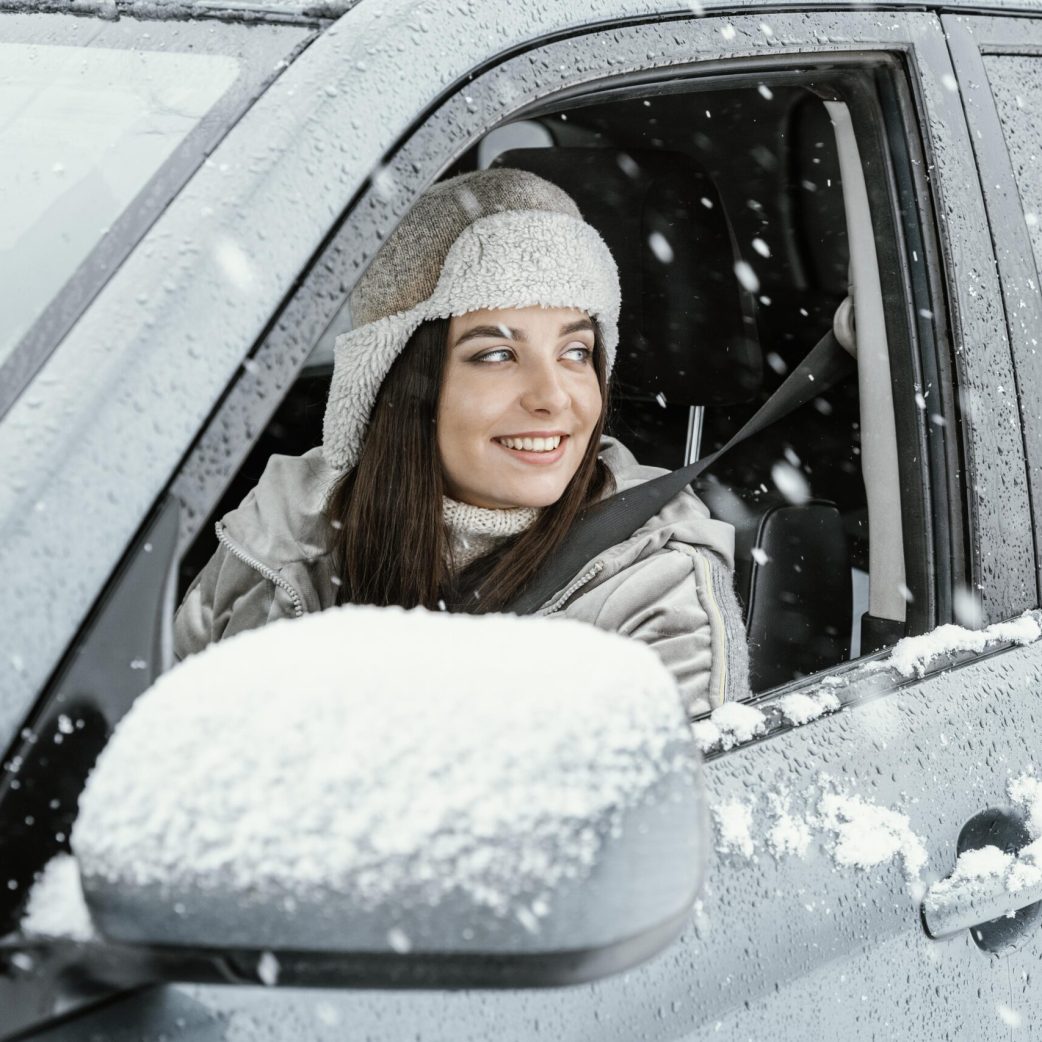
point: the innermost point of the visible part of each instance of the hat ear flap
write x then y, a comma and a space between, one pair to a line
362, 358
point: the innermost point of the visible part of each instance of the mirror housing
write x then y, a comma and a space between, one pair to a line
374, 797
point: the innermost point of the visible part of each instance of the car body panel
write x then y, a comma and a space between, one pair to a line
827, 957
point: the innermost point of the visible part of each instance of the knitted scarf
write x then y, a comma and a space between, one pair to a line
474, 531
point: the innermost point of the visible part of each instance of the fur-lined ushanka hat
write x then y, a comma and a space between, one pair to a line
490, 239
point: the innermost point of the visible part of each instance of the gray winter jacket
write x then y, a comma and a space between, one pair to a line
670, 584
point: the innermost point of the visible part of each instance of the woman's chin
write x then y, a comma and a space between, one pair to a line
514, 498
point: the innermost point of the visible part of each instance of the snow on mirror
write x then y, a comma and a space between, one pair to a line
410, 785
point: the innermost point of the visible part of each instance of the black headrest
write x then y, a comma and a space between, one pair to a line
687, 329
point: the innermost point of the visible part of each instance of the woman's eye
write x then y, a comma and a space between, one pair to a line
578, 353
500, 354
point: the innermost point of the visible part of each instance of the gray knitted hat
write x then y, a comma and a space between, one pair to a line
490, 239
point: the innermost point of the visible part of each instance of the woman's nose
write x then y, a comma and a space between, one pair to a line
544, 390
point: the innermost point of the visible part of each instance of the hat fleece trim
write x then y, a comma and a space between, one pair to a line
512, 259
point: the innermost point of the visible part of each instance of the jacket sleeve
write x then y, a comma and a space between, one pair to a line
681, 603
226, 597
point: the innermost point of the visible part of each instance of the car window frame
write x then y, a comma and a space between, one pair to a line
250, 400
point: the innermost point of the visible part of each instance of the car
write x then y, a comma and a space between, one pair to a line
196, 188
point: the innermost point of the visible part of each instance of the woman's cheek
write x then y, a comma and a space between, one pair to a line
592, 404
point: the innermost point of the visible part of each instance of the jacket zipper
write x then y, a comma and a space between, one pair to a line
252, 562
717, 626
583, 579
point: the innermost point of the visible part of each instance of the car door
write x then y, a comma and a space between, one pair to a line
1000, 62
902, 759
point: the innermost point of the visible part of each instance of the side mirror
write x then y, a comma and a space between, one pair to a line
373, 797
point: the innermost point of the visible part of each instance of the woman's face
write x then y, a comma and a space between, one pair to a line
519, 401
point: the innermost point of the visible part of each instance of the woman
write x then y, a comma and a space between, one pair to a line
463, 436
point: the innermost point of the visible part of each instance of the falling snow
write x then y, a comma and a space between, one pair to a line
746, 276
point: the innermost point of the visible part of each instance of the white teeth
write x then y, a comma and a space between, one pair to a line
532, 444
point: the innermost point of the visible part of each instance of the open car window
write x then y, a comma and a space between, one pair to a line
724, 203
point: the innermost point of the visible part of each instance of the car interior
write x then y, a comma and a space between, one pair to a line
724, 209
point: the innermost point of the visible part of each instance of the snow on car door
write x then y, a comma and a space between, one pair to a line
829, 836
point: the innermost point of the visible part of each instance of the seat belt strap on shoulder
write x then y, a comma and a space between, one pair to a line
616, 518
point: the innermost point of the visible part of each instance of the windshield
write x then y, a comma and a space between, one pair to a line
87, 128
99, 130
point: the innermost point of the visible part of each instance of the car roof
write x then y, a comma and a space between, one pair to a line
329, 10
236, 10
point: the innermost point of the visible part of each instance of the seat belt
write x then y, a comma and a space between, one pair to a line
616, 518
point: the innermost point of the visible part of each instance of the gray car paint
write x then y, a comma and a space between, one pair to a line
754, 930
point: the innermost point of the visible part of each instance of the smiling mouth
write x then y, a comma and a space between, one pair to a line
547, 444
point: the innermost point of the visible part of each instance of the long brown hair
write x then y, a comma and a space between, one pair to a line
389, 541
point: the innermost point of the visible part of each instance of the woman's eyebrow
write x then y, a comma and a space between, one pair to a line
577, 326
519, 334
495, 331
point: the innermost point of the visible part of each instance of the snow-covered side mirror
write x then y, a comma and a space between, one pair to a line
377, 797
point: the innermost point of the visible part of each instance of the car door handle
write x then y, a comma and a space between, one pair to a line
987, 884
